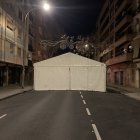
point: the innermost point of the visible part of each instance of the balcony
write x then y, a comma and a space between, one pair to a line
120, 59
136, 60
104, 21
123, 22
122, 6
103, 12
123, 39
105, 29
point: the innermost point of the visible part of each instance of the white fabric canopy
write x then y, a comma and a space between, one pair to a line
70, 72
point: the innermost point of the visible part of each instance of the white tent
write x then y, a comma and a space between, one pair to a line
70, 72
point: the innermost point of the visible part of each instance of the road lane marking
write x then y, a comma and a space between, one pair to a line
88, 112
96, 132
3, 116
82, 96
84, 102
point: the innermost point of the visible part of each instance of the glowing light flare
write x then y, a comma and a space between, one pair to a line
86, 47
46, 6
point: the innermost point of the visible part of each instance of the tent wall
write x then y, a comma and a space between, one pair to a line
78, 77
51, 78
96, 79
92, 78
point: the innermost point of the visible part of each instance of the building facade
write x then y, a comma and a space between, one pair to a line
136, 41
20, 40
115, 32
36, 32
11, 42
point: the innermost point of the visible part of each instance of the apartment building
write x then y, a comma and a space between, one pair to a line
20, 41
37, 32
11, 41
136, 42
116, 36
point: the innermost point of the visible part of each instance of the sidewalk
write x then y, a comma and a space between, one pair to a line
128, 91
11, 90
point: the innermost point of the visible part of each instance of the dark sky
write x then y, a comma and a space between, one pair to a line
76, 16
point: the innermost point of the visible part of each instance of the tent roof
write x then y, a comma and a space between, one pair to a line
68, 59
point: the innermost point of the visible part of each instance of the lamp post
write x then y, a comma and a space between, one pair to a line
46, 7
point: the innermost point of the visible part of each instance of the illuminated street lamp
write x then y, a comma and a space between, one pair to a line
46, 7
86, 47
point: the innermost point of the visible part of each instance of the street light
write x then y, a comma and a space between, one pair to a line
46, 7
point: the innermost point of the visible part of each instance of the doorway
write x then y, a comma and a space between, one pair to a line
121, 77
1, 76
139, 78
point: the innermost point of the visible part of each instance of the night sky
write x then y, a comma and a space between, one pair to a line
76, 17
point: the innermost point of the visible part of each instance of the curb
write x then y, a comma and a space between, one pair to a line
15, 94
125, 93
114, 90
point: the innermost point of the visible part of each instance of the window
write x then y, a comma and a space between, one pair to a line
31, 17
30, 45
133, 75
40, 30
112, 26
30, 30
20, 14
121, 77
39, 53
19, 33
11, 48
10, 24
139, 53
19, 52
0, 18
108, 78
120, 50
30, 56
116, 78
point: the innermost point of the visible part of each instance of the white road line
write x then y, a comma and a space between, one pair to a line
88, 112
96, 132
3, 116
82, 96
84, 102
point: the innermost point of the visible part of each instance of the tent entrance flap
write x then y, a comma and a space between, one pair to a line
78, 78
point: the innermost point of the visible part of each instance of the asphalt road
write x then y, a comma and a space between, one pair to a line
69, 115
